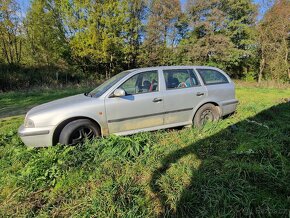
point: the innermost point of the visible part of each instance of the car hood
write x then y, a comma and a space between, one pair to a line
60, 104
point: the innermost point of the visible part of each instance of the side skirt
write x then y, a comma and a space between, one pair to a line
130, 132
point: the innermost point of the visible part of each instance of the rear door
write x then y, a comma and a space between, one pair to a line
217, 84
183, 93
142, 107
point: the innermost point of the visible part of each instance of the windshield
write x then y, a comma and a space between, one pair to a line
101, 89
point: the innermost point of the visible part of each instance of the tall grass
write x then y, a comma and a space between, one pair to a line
237, 167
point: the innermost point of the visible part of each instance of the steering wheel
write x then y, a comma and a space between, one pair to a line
182, 85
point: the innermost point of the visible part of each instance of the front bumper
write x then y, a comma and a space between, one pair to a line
36, 137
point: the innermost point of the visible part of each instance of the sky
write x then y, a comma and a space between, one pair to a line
24, 4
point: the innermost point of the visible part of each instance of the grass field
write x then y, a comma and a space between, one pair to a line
15, 103
237, 167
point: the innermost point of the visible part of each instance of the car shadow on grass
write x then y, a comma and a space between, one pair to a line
244, 171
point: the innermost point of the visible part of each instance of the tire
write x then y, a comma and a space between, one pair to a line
77, 131
206, 113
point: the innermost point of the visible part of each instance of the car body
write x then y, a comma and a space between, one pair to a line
143, 99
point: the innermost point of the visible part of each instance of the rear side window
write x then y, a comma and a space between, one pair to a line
180, 78
211, 77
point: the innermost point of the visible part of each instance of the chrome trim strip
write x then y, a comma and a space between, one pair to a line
149, 115
41, 132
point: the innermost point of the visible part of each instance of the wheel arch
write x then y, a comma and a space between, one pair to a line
218, 106
60, 126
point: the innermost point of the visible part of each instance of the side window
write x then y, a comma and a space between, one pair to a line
141, 83
180, 78
211, 77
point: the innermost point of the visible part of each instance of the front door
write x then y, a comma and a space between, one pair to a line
142, 107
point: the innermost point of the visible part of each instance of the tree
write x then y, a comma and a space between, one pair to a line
45, 33
208, 41
133, 30
220, 33
161, 31
273, 32
240, 24
82, 25
96, 33
10, 32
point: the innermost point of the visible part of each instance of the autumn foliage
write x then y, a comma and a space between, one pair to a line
58, 41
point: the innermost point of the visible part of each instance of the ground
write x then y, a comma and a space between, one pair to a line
239, 166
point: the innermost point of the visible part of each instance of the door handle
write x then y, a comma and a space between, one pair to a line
157, 99
199, 94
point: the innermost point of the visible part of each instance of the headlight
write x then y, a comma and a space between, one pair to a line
28, 123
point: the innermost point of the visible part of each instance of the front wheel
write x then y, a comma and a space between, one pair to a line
206, 113
77, 131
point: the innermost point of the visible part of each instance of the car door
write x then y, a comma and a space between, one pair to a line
141, 107
183, 93
217, 82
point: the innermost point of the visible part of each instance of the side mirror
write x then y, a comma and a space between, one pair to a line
119, 92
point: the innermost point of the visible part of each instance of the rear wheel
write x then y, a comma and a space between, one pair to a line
206, 113
77, 131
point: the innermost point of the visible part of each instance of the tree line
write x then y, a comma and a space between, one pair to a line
69, 40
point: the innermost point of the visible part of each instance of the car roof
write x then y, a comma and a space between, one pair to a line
173, 67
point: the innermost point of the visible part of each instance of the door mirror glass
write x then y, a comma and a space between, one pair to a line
119, 92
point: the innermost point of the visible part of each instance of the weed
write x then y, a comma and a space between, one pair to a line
233, 168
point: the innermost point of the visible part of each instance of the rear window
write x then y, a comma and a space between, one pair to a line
211, 77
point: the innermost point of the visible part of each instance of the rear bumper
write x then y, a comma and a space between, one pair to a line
229, 106
36, 137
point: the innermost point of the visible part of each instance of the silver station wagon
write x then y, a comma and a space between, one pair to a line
144, 99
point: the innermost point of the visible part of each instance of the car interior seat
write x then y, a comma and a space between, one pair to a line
146, 86
173, 82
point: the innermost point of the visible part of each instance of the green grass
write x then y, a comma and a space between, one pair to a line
16, 103
219, 171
